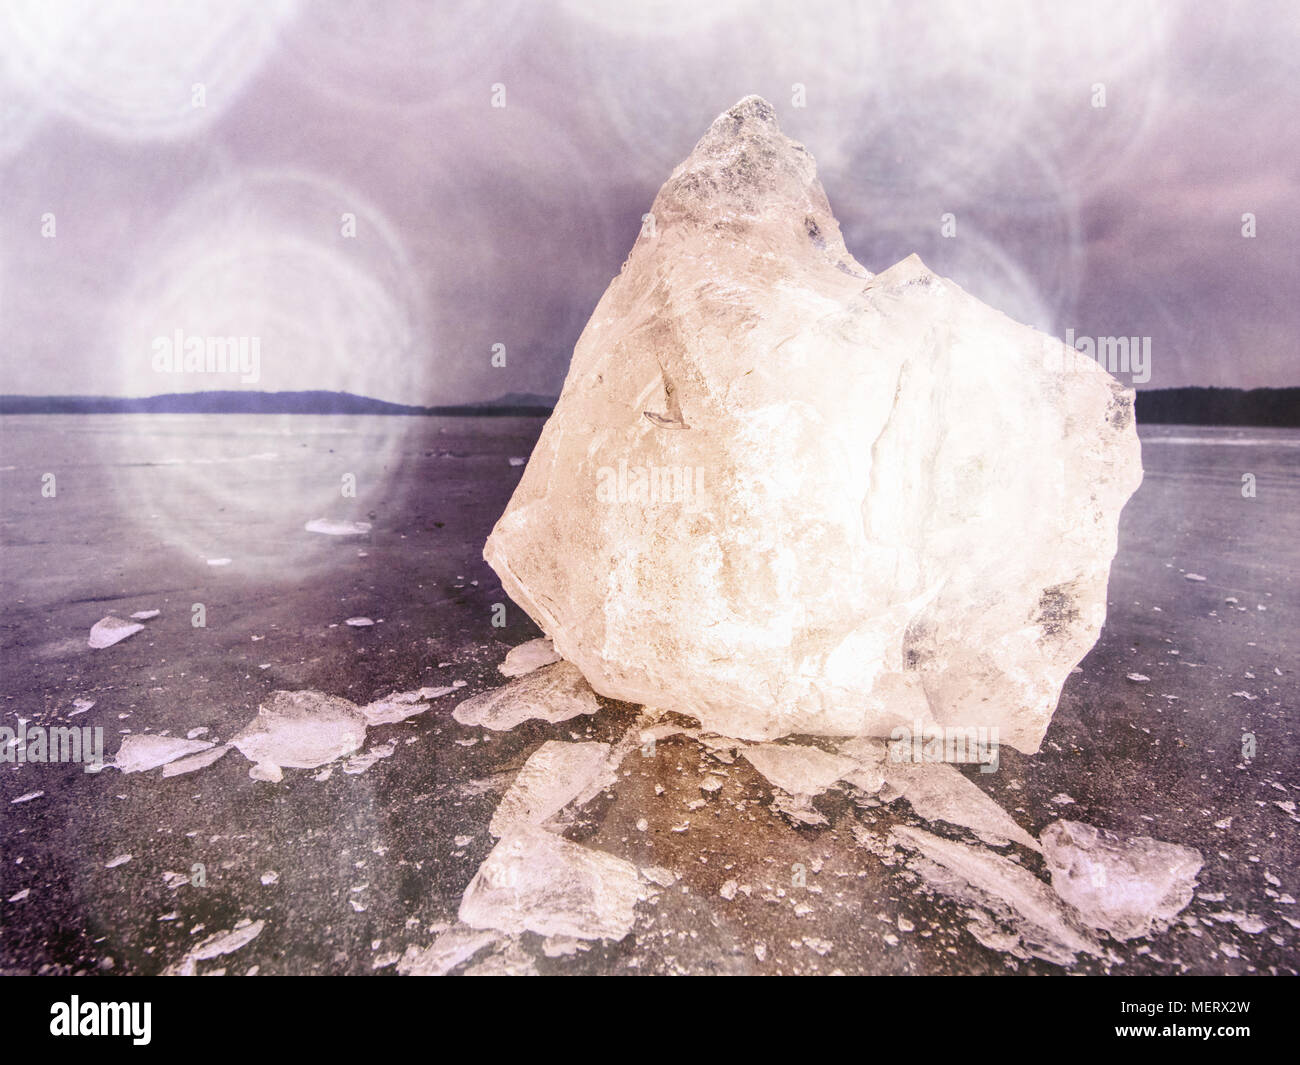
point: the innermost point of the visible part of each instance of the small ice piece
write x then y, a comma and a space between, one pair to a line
80, 706
195, 761
361, 762
331, 527
113, 863
1062, 799
218, 562
729, 889
556, 774
19, 896
195, 733
266, 771
1035, 921
940, 792
454, 947
270, 877
216, 945
302, 730
553, 693
1137, 678
145, 615
538, 882
516, 460
110, 630
798, 769
527, 657
401, 705
1126, 886
139, 752
359, 623
1249, 923
1193, 577
28, 797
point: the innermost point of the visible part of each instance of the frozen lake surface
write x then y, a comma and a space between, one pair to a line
175, 512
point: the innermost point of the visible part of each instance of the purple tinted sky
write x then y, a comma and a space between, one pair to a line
478, 225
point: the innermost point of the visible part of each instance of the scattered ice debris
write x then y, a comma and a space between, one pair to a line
527, 657
401, 705
1193, 577
80, 706
110, 630
268, 772
19, 896
563, 946
1126, 886
556, 774
359, 622
553, 693
195, 761
218, 562
145, 615
454, 947
331, 527
798, 769
361, 762
940, 792
26, 798
1137, 678
139, 753
301, 730
270, 877
1249, 923
216, 945
508, 958
536, 881
1022, 916
657, 874
113, 863
798, 808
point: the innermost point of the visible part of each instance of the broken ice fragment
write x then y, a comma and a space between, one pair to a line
330, 527
939, 792
195, 761
301, 729
110, 630
401, 705
798, 769
527, 657
1126, 886
140, 753
553, 693
1033, 920
538, 882
555, 775
454, 947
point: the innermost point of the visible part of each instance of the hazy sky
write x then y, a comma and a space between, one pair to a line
193, 167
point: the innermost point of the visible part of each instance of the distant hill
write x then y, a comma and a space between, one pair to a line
1158, 406
235, 402
1277, 407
